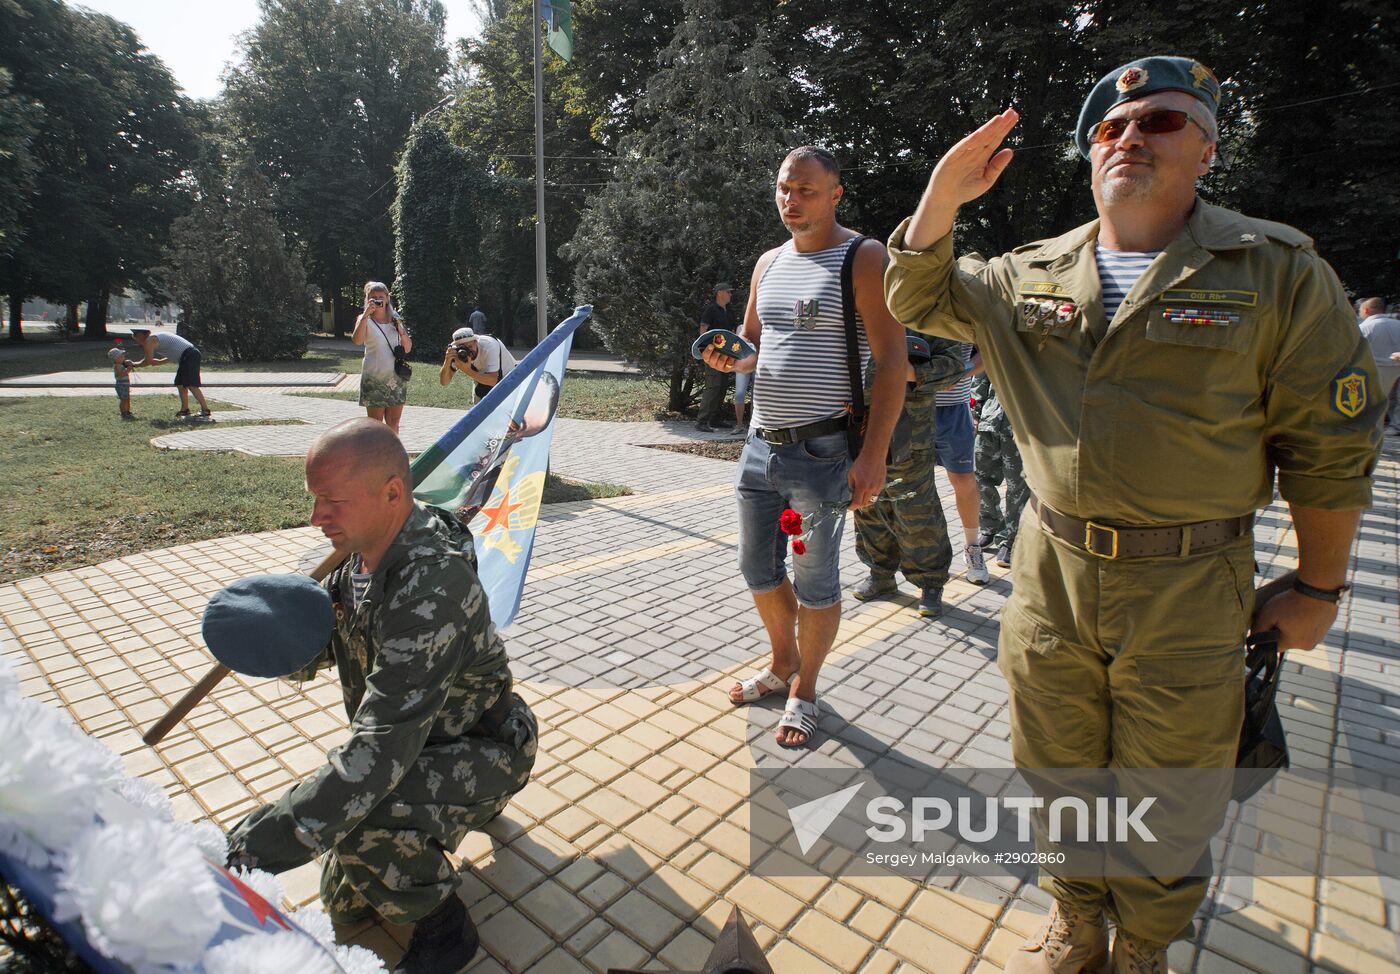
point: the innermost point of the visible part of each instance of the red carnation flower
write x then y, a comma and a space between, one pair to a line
799, 547
790, 522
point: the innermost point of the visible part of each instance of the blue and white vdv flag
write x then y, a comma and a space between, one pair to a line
489, 468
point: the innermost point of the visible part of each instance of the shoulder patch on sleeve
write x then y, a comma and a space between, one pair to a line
1349, 392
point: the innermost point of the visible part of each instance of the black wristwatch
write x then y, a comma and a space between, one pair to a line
1333, 595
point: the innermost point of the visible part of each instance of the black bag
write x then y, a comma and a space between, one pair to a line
902, 439
1263, 748
401, 367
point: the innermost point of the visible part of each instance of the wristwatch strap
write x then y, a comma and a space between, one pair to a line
1333, 595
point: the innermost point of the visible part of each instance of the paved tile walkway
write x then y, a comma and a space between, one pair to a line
630, 844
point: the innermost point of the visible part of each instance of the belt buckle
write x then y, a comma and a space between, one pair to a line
1089, 528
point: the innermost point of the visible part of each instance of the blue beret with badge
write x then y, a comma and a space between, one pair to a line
919, 352
1146, 76
723, 341
269, 625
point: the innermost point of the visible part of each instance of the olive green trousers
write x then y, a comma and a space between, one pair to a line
1131, 664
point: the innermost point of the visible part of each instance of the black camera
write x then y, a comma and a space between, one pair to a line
464, 354
377, 302
401, 367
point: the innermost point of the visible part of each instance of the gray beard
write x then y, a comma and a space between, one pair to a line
1128, 190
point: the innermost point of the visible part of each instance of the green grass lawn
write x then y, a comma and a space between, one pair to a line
586, 395
38, 357
83, 487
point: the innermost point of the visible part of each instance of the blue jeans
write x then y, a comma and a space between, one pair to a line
811, 478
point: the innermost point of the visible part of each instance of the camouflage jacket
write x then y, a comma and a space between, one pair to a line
419, 663
991, 418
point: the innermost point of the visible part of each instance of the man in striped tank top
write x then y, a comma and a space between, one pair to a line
1160, 366
797, 455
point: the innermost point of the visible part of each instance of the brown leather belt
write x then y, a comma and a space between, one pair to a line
795, 434
1110, 541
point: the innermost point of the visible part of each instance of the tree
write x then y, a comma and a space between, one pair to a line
324, 98
229, 268
691, 200
445, 198
889, 87
19, 117
111, 144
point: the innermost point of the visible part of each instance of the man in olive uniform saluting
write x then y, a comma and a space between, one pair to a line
438, 742
1158, 364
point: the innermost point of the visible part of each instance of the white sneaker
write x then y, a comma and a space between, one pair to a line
976, 565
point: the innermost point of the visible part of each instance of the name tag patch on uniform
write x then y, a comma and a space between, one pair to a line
1349, 392
1201, 316
1188, 296
1039, 288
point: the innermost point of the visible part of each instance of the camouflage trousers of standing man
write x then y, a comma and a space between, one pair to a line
904, 529
998, 461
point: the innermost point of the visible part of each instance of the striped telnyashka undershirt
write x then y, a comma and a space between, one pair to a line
1119, 270
802, 376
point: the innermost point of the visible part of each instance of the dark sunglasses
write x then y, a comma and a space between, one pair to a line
1153, 123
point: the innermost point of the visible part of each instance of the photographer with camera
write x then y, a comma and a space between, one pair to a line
385, 374
484, 359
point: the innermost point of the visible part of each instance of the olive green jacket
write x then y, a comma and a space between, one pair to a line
1235, 355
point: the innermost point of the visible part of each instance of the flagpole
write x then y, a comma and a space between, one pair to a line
541, 286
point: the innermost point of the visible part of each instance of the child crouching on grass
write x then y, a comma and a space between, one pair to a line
121, 371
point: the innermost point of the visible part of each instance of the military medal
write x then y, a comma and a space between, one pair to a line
1219, 317
804, 313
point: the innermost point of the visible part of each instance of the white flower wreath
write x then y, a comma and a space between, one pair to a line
144, 892
52, 777
142, 884
260, 953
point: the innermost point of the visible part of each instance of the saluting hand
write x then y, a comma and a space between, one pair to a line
973, 166
965, 172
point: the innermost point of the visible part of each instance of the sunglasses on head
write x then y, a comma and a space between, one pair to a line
1159, 122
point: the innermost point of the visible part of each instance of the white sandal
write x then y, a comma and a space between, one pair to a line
801, 716
765, 684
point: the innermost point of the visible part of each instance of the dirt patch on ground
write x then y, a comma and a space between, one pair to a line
714, 449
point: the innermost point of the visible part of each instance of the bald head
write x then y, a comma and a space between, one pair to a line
357, 475
363, 447
1371, 306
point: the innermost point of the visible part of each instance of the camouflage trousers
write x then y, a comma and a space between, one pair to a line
998, 460
394, 861
904, 530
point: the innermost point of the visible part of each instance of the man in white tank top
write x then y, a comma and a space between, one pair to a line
796, 456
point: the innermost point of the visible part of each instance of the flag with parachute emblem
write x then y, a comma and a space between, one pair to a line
489, 469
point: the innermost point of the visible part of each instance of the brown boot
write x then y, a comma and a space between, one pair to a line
1073, 941
1134, 956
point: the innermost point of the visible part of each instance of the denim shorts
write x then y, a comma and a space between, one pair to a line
123, 388
742, 382
954, 437
811, 478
